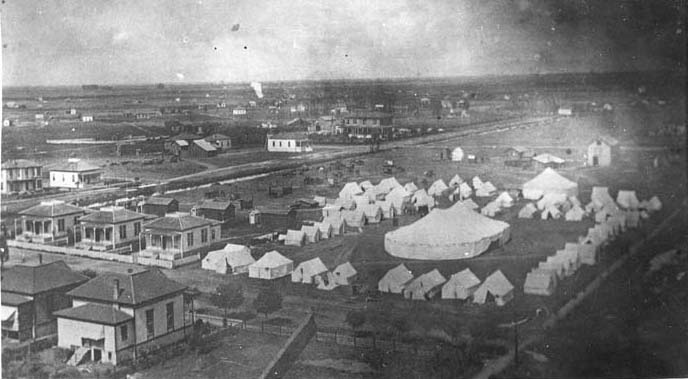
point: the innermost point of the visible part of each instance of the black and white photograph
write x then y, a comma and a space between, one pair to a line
343, 189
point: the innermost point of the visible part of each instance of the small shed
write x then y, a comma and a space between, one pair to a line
601, 151
159, 206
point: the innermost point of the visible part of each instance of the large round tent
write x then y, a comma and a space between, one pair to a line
549, 182
445, 234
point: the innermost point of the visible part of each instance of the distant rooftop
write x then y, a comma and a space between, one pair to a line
19, 163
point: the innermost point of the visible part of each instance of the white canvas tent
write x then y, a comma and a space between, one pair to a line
550, 212
551, 200
387, 209
350, 190
421, 198
455, 181
469, 203
366, 185
295, 238
554, 265
425, 286
457, 154
373, 213
272, 265
398, 198
627, 199
632, 218
361, 200
410, 187
460, 285
312, 233
354, 219
465, 191
232, 259
549, 181
388, 184
437, 188
325, 281
654, 204
338, 224
477, 182
325, 229
504, 200
306, 271
600, 198
345, 274
453, 233
527, 211
496, 285
490, 209
486, 190
540, 282
395, 279
574, 214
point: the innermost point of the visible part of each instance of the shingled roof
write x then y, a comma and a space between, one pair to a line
78, 166
19, 163
179, 222
112, 216
134, 288
95, 313
32, 280
52, 209
157, 200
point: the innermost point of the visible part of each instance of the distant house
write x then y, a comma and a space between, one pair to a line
274, 218
87, 118
221, 211
239, 111
111, 228
565, 111
366, 124
325, 125
50, 222
177, 236
289, 143
117, 316
75, 174
30, 295
201, 149
518, 156
179, 144
601, 151
159, 206
21, 175
220, 141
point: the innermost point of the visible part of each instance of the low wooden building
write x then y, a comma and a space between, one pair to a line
281, 219
218, 210
220, 141
200, 149
601, 151
159, 206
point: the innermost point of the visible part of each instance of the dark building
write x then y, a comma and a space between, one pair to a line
30, 295
159, 206
276, 219
221, 211
364, 124
200, 149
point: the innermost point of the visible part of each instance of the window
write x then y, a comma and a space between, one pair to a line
288, 143
189, 239
89, 233
280, 143
60, 225
204, 235
73, 178
137, 228
212, 234
29, 226
124, 332
76, 220
150, 323
273, 143
108, 234
54, 178
170, 316
122, 231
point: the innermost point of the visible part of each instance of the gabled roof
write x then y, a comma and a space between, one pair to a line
272, 259
13, 299
31, 280
234, 255
498, 284
79, 166
52, 208
427, 281
312, 267
216, 137
216, 204
205, 145
95, 313
19, 163
157, 200
112, 215
134, 288
465, 278
178, 222
399, 275
345, 270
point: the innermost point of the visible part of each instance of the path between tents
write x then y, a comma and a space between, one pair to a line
499, 364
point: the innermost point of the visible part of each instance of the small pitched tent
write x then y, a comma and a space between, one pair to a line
455, 181
398, 198
465, 191
551, 200
504, 200
425, 286
421, 198
387, 209
654, 204
490, 209
365, 185
348, 204
600, 198
345, 274
477, 183
386, 185
295, 238
312, 233
272, 265
354, 219
588, 252
627, 199
306, 271
325, 281
331, 210
550, 212
337, 223
361, 200
497, 286
325, 229
437, 188
527, 211
553, 265
460, 285
395, 279
469, 203
457, 154
232, 259
350, 190
486, 190
410, 187
373, 213
540, 282
549, 181
574, 214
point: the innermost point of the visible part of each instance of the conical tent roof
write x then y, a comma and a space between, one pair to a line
453, 233
272, 259
465, 278
455, 181
388, 184
498, 284
349, 190
549, 181
437, 188
504, 200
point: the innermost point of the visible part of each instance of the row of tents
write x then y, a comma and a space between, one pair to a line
543, 279
463, 285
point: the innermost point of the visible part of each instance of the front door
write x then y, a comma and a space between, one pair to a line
97, 355
595, 160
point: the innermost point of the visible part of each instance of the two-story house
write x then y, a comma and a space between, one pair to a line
116, 316
20, 175
111, 228
30, 295
50, 222
75, 174
178, 235
366, 124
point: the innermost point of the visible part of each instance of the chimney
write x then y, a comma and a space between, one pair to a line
115, 290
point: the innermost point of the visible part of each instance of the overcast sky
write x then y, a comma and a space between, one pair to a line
149, 41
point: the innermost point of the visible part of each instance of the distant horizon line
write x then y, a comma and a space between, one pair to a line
454, 77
